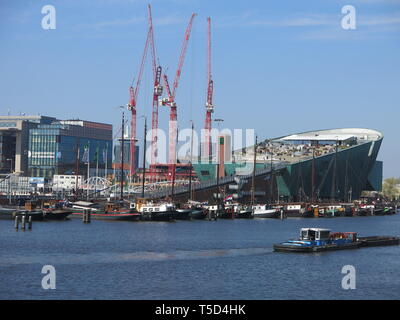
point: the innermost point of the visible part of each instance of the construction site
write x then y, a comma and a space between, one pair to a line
334, 164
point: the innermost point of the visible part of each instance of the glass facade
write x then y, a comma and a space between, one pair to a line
54, 149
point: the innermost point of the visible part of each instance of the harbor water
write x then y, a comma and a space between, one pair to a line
224, 259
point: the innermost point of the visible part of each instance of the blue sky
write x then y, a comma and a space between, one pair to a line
278, 66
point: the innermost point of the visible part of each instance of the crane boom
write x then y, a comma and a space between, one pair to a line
133, 94
173, 130
182, 55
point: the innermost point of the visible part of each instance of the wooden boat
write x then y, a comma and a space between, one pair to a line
118, 211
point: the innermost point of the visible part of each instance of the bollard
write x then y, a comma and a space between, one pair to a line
23, 222
16, 225
30, 222
281, 214
86, 216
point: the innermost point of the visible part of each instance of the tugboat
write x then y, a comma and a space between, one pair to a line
55, 211
195, 208
365, 210
243, 212
265, 211
298, 210
156, 212
317, 239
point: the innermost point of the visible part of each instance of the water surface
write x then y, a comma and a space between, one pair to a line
224, 259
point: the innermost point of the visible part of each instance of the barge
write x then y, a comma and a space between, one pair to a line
317, 240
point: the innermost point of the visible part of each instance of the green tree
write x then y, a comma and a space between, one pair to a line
391, 188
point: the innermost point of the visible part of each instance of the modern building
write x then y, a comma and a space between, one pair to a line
66, 146
331, 165
41, 146
14, 141
127, 157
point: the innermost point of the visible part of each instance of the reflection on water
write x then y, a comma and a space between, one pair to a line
112, 257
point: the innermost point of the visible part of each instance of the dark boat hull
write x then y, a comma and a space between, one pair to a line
308, 249
109, 216
363, 212
226, 215
158, 216
198, 214
244, 215
57, 214
275, 214
308, 214
292, 214
183, 214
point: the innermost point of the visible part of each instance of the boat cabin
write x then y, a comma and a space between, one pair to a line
31, 205
314, 234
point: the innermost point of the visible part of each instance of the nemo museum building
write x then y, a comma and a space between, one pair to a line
324, 165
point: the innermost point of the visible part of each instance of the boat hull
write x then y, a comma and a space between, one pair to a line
57, 214
198, 214
267, 214
373, 241
308, 249
158, 216
244, 215
183, 214
108, 216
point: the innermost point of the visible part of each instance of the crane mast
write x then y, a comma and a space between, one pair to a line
207, 152
157, 92
170, 101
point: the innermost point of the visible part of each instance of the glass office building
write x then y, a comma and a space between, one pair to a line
63, 147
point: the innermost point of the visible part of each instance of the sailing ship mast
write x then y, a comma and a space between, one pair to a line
254, 173
144, 156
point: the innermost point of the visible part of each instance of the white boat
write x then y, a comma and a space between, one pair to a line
157, 211
265, 211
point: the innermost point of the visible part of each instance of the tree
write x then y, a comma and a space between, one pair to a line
391, 188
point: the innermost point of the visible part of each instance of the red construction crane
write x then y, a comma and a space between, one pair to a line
207, 152
133, 92
157, 92
170, 101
